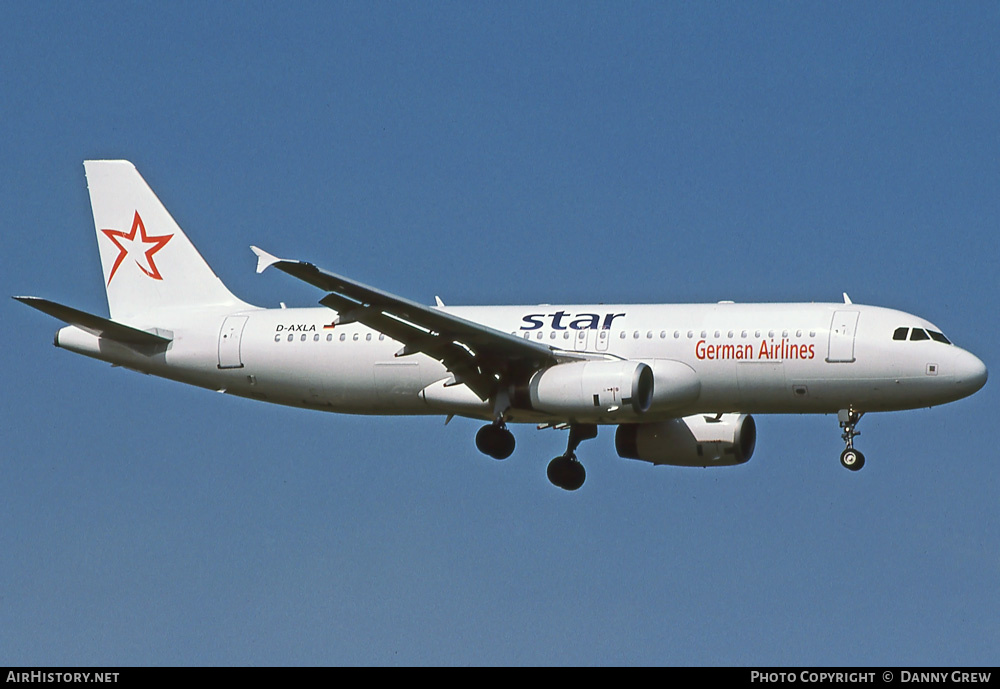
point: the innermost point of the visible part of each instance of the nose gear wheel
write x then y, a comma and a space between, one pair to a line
850, 458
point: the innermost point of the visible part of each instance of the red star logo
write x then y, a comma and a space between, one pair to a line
144, 240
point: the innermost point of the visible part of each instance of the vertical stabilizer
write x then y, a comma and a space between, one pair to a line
149, 263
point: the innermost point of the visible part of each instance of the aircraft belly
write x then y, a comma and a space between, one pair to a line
398, 384
762, 383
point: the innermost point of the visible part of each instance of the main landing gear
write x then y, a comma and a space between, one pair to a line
850, 458
565, 471
495, 440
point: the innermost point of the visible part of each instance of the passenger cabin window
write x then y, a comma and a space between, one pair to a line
918, 334
900, 333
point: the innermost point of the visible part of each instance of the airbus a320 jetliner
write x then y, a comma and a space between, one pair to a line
678, 381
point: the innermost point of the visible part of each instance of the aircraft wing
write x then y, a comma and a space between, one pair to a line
477, 355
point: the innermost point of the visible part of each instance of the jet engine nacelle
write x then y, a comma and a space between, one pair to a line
592, 389
694, 441
675, 385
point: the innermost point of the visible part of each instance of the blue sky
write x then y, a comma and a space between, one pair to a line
491, 154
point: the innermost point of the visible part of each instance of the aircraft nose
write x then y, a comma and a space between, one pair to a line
970, 373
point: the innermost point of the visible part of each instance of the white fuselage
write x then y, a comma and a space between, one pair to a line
752, 358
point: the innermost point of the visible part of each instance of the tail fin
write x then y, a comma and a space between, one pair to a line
149, 263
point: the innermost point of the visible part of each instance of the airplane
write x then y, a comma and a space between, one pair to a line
679, 381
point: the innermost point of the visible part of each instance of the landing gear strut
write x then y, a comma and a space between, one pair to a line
495, 440
850, 458
565, 471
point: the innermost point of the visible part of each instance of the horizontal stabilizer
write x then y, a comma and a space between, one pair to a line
96, 325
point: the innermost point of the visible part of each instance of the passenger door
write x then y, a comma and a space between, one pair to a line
843, 328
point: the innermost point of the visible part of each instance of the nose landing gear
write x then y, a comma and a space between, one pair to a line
850, 458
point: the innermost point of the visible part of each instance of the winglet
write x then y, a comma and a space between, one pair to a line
847, 299
264, 259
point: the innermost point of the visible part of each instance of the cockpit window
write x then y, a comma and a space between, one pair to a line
919, 334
